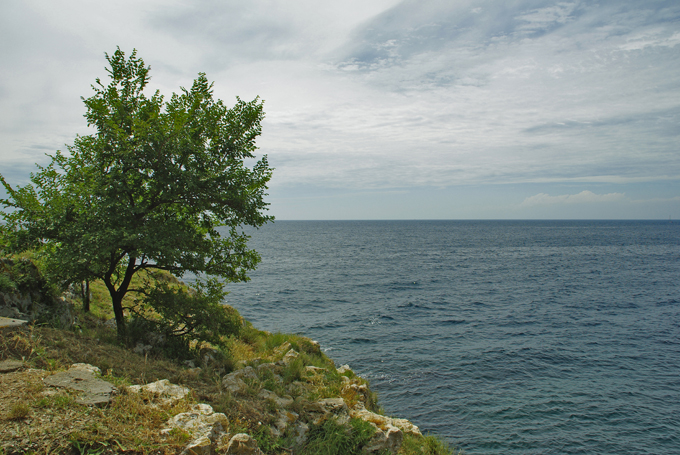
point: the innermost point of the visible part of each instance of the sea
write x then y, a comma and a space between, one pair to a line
501, 337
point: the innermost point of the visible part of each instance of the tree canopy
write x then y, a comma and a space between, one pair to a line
161, 185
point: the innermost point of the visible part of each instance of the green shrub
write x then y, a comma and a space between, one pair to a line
331, 438
426, 445
18, 411
6, 283
294, 371
185, 319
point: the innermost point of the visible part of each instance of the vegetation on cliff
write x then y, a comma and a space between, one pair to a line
275, 368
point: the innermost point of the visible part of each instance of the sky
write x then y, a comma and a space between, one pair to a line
387, 109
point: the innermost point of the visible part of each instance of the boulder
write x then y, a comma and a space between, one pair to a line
205, 426
344, 369
281, 350
328, 408
281, 402
289, 357
300, 430
283, 419
384, 423
163, 389
234, 382
356, 391
389, 438
243, 444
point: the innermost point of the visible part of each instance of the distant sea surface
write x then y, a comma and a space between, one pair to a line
503, 337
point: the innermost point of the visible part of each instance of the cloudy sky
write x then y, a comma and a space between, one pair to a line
387, 109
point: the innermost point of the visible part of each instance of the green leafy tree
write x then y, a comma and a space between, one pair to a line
159, 186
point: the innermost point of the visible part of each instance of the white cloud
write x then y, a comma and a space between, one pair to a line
584, 197
381, 94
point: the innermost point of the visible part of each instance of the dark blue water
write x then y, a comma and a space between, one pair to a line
504, 337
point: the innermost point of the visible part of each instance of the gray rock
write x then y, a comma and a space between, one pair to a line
281, 402
163, 389
206, 426
300, 431
290, 356
281, 350
11, 322
7, 366
389, 439
283, 419
312, 369
344, 369
234, 382
328, 408
243, 444
80, 377
383, 422
270, 367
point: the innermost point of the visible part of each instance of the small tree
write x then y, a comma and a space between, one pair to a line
160, 185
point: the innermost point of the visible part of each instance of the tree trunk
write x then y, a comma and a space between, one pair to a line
117, 300
85, 288
118, 294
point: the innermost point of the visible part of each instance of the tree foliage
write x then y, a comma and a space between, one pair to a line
162, 185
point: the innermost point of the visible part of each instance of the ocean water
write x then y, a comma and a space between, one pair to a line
503, 337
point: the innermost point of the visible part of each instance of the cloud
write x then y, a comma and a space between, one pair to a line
584, 197
379, 95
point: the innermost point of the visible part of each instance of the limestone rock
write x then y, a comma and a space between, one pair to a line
199, 446
163, 389
300, 431
356, 390
86, 367
344, 369
205, 425
234, 382
243, 444
281, 402
10, 318
7, 366
384, 423
82, 377
290, 356
406, 426
389, 438
334, 408
281, 350
312, 369
283, 419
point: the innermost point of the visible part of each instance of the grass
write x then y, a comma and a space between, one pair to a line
331, 438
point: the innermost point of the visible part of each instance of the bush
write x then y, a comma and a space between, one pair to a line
179, 321
426, 445
331, 438
6, 283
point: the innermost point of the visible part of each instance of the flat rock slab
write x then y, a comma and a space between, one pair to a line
97, 391
9, 322
7, 366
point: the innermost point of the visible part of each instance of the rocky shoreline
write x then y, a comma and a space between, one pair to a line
290, 404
